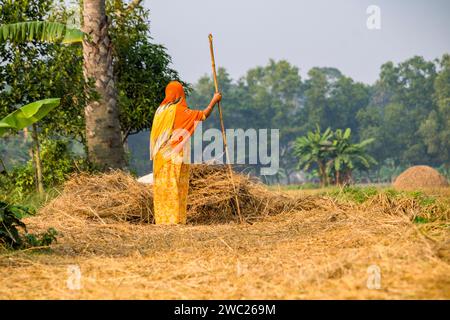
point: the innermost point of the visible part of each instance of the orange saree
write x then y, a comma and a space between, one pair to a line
172, 126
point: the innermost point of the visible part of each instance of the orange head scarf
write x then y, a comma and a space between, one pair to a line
174, 122
175, 93
164, 118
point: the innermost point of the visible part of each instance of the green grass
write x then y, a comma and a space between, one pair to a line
32, 200
304, 186
361, 194
354, 193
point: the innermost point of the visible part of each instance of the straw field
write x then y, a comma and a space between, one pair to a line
319, 246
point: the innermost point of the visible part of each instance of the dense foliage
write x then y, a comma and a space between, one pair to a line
35, 70
13, 232
406, 111
59, 160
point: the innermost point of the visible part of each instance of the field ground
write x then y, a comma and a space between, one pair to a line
322, 253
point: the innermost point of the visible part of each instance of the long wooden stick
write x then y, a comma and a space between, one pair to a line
230, 170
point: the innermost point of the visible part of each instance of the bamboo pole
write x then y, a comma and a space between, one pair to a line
227, 157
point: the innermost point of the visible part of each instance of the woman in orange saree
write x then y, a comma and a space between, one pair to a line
172, 126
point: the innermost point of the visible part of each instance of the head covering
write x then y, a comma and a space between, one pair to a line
172, 126
175, 94
164, 118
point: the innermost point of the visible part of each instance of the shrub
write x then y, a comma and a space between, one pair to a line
58, 162
11, 224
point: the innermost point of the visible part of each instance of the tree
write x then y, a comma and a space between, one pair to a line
271, 97
411, 85
348, 156
141, 68
27, 115
332, 153
401, 100
202, 92
405, 112
436, 128
317, 90
332, 99
103, 134
315, 148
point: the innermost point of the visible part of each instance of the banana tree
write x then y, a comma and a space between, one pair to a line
28, 115
315, 148
347, 155
25, 116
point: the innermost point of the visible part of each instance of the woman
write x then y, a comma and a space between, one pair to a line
173, 124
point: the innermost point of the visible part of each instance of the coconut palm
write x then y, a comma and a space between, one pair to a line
103, 133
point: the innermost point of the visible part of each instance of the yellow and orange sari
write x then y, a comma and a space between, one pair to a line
173, 124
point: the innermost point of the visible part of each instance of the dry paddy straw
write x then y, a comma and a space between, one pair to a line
118, 196
316, 248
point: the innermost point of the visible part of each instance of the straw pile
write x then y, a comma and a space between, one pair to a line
116, 195
113, 195
420, 178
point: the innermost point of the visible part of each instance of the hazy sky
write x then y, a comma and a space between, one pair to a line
311, 33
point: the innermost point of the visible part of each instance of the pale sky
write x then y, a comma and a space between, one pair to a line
333, 33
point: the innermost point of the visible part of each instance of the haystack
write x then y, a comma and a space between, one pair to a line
116, 195
420, 178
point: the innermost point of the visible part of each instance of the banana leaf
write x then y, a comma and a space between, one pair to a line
27, 115
41, 31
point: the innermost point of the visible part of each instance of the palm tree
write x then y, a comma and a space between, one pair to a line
103, 133
347, 156
315, 148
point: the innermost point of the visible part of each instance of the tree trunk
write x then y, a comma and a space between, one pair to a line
103, 135
288, 178
337, 178
37, 161
323, 175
